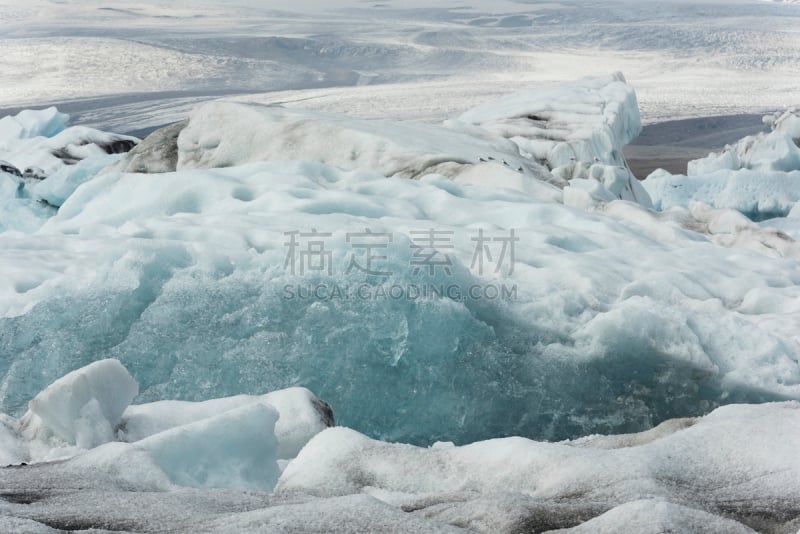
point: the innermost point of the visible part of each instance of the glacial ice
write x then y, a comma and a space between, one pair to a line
575, 136
32, 123
82, 408
41, 138
236, 449
759, 176
302, 416
41, 141
229, 443
186, 278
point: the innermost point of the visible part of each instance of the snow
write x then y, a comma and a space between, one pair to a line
737, 454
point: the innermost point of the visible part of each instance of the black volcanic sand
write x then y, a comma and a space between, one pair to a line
670, 145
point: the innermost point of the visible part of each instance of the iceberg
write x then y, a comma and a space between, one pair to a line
448, 307
758, 176
303, 415
577, 130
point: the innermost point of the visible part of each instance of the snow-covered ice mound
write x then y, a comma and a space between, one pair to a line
225, 134
456, 306
739, 463
570, 131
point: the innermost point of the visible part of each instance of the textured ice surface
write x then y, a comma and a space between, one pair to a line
732, 471
609, 317
736, 462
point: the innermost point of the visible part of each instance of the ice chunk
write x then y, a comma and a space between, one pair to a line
777, 150
40, 139
84, 407
588, 120
60, 185
577, 129
758, 176
19, 210
757, 194
32, 123
302, 416
236, 449
12, 448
